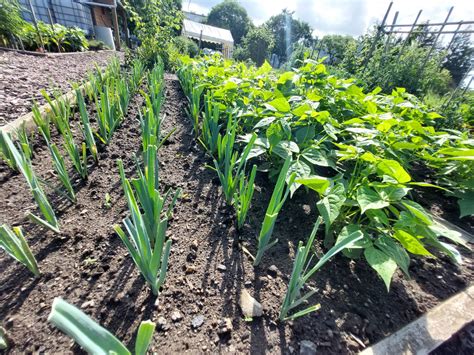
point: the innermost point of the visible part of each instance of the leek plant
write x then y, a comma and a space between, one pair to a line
86, 126
92, 337
77, 154
41, 122
243, 196
60, 111
61, 170
146, 240
24, 141
24, 165
150, 124
122, 91
195, 107
155, 86
279, 196
229, 169
3, 339
6, 154
107, 115
302, 272
15, 244
136, 75
210, 125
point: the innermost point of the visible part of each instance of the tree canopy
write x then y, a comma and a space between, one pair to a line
231, 15
288, 31
460, 57
334, 47
257, 45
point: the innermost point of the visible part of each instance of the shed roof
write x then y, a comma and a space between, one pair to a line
209, 33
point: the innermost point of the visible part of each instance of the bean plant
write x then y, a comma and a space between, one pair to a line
356, 150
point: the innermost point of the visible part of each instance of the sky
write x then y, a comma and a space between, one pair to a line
346, 17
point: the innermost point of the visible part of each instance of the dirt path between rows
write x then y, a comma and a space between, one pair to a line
89, 267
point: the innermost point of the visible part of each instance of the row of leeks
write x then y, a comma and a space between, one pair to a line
18, 155
145, 242
145, 230
84, 330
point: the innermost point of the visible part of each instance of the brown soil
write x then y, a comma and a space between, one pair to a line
88, 266
22, 76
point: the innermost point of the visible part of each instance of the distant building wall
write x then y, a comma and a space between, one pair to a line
102, 16
66, 12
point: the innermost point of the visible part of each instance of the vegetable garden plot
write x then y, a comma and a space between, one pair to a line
88, 266
23, 76
353, 149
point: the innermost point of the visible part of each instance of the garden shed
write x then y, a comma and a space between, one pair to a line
211, 34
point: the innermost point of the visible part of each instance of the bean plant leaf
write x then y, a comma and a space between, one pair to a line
466, 204
395, 251
411, 243
330, 206
316, 183
317, 156
382, 263
280, 104
392, 193
393, 169
378, 217
264, 122
351, 229
301, 169
369, 199
418, 211
285, 148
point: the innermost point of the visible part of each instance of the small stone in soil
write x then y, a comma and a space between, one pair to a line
176, 316
221, 267
307, 347
161, 324
197, 321
88, 304
249, 305
273, 270
225, 326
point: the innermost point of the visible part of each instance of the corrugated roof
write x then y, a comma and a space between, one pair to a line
209, 33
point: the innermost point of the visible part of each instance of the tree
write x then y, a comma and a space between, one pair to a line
231, 15
156, 23
334, 47
287, 31
258, 43
460, 57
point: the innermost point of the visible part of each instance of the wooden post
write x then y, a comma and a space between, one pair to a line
36, 24
374, 43
125, 29
387, 41
116, 28
422, 68
454, 37
409, 34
